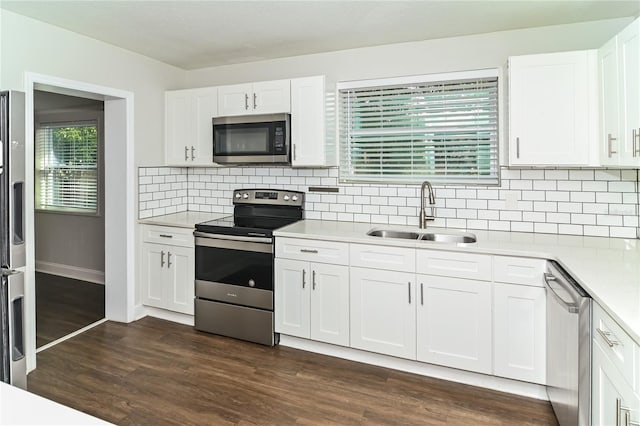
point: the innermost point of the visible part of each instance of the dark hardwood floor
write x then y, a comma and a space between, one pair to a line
154, 372
65, 305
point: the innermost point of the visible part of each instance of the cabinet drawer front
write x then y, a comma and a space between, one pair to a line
168, 235
519, 270
383, 257
312, 250
615, 343
454, 264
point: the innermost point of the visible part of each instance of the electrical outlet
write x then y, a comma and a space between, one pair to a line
511, 200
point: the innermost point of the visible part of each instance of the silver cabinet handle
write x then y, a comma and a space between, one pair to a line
294, 151
313, 280
255, 102
246, 101
610, 140
421, 293
161, 258
193, 157
304, 274
168, 259
518, 147
636, 141
607, 337
166, 236
308, 251
409, 288
186, 153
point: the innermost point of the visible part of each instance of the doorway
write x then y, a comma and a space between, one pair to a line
69, 215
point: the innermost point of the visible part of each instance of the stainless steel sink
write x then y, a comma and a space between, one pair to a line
449, 238
436, 237
387, 233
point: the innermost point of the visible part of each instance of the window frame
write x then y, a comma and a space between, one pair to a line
70, 118
496, 72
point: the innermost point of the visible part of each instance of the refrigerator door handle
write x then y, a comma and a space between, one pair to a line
1, 157
18, 214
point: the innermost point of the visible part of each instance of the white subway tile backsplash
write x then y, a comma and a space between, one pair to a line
576, 202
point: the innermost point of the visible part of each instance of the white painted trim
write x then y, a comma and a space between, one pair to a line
70, 271
530, 390
140, 312
119, 274
169, 315
69, 336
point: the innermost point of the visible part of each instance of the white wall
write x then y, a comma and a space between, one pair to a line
28, 45
424, 57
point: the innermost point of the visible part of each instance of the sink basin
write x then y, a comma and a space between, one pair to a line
449, 238
436, 237
386, 233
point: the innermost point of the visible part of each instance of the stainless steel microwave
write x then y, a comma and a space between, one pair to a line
252, 139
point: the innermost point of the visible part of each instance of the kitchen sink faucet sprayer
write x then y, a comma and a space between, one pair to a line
432, 204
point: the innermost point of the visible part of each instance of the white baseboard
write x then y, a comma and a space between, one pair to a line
169, 315
530, 390
69, 271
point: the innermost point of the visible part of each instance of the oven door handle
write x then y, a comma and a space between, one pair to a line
266, 240
228, 244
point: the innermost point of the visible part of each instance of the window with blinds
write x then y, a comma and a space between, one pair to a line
444, 131
67, 167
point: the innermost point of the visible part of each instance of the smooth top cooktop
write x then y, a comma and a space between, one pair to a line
246, 226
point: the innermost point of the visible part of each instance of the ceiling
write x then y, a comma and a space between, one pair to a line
198, 34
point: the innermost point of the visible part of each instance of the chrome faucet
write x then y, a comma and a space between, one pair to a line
432, 203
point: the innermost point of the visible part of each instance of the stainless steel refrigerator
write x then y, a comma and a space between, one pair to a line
12, 247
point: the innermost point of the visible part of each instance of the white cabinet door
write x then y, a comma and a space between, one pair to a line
179, 288
454, 323
519, 346
205, 105
178, 127
271, 97
552, 108
235, 100
383, 315
609, 115
330, 303
292, 300
629, 77
308, 122
152, 274
612, 397
188, 127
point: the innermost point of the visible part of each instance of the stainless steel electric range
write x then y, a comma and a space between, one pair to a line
234, 264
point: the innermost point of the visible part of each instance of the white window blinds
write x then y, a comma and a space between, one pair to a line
67, 167
442, 131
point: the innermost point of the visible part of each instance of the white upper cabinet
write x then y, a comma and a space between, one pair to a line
188, 127
553, 109
267, 97
619, 75
308, 122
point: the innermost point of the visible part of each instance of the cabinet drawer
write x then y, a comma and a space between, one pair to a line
312, 250
383, 257
615, 343
454, 264
519, 270
168, 235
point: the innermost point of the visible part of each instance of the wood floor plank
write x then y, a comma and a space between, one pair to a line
154, 372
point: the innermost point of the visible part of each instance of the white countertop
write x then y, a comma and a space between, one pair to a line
607, 268
186, 219
19, 407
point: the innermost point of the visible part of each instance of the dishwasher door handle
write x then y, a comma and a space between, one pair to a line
568, 304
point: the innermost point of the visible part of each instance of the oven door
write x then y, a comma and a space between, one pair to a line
234, 269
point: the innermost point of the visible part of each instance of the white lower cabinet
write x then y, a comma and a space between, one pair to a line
613, 401
168, 276
454, 323
383, 314
519, 340
312, 300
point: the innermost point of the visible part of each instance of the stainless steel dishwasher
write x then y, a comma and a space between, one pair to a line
568, 348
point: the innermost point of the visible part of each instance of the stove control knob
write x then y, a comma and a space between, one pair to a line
286, 198
238, 195
294, 198
245, 195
